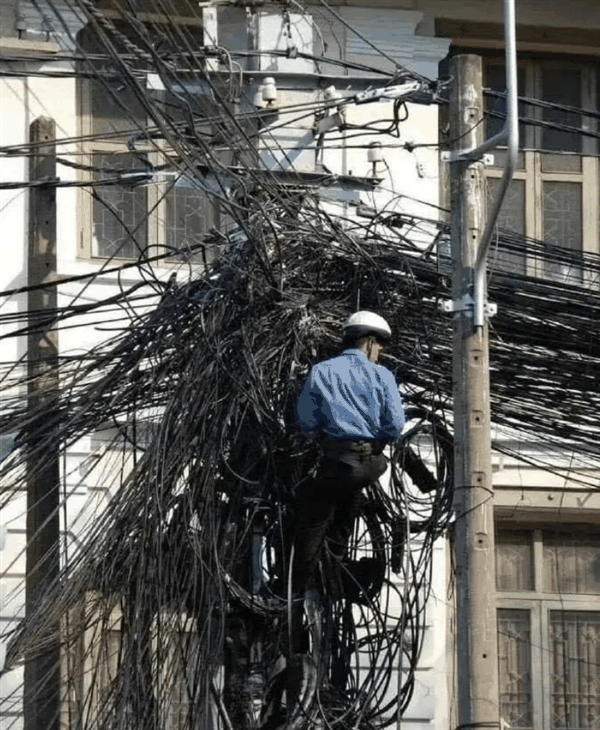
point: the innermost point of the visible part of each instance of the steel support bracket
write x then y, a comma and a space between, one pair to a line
465, 156
466, 304
388, 92
490, 309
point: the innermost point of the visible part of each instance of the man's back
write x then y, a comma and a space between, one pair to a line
349, 397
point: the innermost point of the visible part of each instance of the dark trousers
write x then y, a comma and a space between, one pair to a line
327, 506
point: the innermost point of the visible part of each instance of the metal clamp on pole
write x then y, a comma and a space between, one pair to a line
466, 304
509, 134
464, 156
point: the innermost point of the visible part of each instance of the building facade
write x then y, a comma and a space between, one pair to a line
547, 537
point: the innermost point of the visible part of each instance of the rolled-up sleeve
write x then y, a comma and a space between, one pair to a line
308, 405
392, 415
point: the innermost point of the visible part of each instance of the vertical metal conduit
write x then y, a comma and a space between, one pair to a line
510, 135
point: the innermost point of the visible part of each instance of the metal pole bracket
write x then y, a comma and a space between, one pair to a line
466, 156
466, 304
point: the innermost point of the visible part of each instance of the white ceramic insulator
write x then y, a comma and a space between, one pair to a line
331, 96
258, 101
374, 153
269, 89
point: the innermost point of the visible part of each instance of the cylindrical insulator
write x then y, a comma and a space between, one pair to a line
257, 99
374, 153
331, 96
269, 90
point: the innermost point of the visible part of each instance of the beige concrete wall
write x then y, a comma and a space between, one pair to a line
8, 19
410, 184
570, 13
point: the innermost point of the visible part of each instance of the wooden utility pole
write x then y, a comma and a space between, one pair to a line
41, 701
477, 654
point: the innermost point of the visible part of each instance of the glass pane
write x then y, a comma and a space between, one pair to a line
501, 156
561, 163
495, 80
563, 218
514, 561
120, 211
189, 216
115, 108
508, 253
571, 562
575, 670
178, 679
514, 668
561, 86
104, 651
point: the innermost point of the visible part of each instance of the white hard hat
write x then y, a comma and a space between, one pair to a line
365, 323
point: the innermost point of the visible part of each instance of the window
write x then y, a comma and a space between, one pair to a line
142, 202
555, 194
99, 656
548, 583
93, 650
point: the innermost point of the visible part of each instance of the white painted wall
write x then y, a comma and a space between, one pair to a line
410, 184
570, 14
24, 99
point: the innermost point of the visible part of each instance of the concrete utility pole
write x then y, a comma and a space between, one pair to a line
41, 702
477, 654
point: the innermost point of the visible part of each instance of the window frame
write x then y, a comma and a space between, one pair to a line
540, 604
532, 172
157, 188
90, 148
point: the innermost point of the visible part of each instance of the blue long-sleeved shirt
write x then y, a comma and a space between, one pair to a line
352, 398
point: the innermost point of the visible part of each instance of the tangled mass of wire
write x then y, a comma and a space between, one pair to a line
175, 609
179, 588
188, 564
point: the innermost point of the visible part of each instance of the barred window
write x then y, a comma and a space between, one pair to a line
548, 583
555, 194
143, 202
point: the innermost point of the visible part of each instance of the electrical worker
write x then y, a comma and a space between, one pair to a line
353, 406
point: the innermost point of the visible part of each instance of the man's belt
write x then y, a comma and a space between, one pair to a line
361, 446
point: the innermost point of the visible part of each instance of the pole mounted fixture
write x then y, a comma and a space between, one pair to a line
476, 633
42, 687
509, 134
474, 548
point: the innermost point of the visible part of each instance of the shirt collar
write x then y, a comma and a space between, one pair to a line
355, 351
